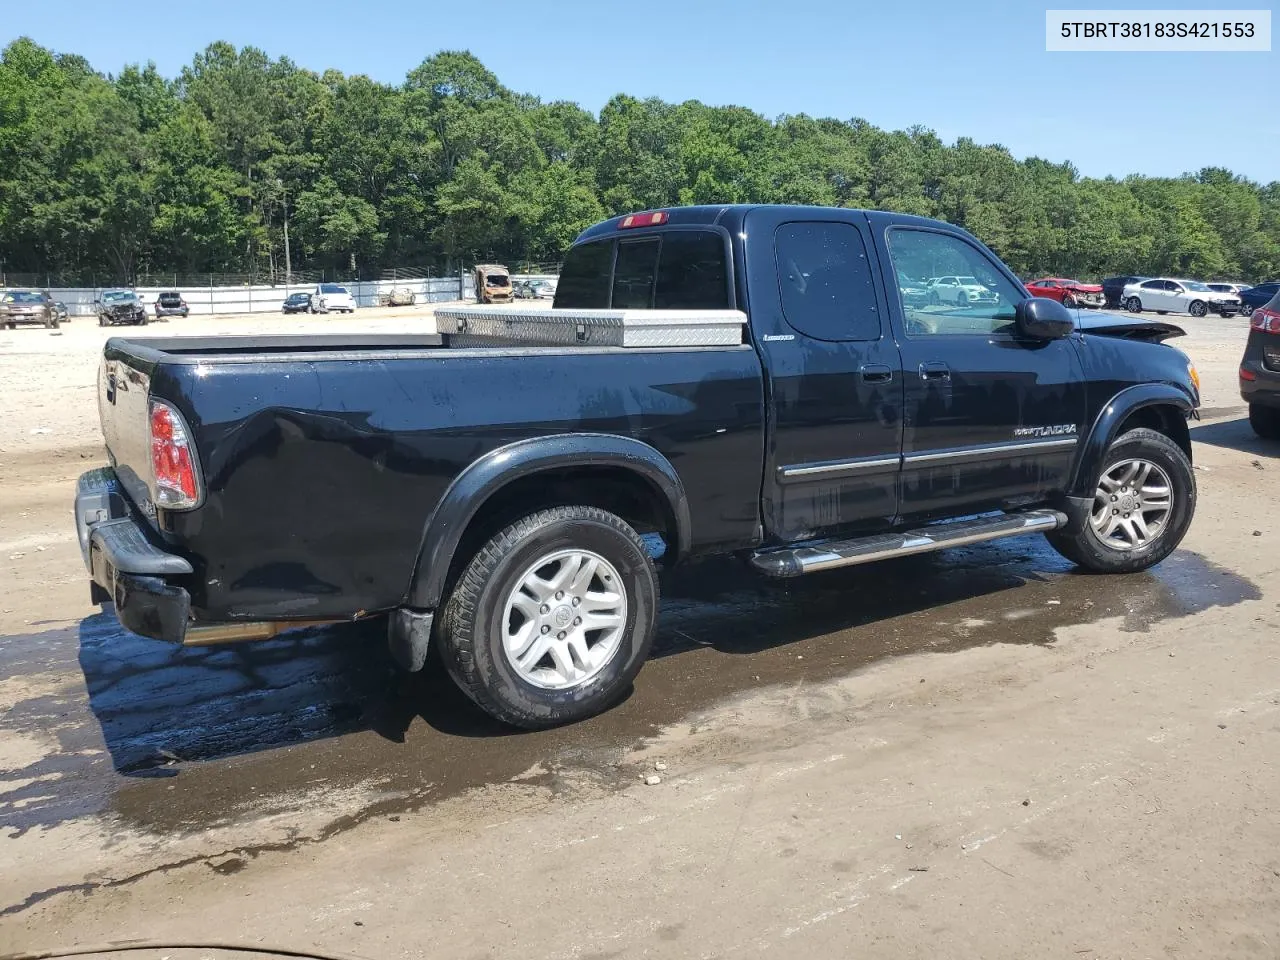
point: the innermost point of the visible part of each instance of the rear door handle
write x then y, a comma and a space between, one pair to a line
876, 372
934, 370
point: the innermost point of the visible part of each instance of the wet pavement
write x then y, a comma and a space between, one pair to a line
169, 741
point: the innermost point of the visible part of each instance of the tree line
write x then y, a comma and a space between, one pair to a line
137, 173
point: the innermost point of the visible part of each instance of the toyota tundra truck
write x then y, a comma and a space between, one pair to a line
746, 380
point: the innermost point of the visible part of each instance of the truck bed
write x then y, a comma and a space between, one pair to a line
322, 458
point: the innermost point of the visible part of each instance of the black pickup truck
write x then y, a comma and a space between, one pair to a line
506, 499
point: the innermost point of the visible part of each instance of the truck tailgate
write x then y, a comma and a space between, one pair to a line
124, 386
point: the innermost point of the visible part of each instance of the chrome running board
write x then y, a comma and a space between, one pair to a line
796, 561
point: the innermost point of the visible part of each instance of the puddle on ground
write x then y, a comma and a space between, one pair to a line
175, 740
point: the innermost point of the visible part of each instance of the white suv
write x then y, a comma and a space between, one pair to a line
332, 298
960, 290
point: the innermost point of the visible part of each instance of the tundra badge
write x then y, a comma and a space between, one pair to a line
1057, 430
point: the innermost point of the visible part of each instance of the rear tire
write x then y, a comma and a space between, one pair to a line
490, 609
1265, 421
1246, 310
1133, 305
1097, 547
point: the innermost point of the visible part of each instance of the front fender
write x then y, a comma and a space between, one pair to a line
1111, 418
493, 471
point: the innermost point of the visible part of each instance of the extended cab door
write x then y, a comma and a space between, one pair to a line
832, 373
991, 420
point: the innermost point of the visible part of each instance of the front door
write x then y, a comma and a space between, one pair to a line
833, 374
1154, 295
990, 420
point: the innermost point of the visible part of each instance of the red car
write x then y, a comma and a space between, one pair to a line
1070, 293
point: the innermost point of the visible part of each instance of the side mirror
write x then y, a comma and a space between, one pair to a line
1039, 318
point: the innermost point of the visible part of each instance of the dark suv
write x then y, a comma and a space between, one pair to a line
1260, 370
1259, 296
171, 304
1113, 290
27, 306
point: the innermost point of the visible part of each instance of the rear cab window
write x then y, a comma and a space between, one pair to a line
674, 269
826, 281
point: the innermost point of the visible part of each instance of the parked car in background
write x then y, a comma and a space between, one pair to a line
960, 290
1235, 289
332, 298
61, 309
171, 304
297, 303
915, 293
493, 283
117, 307
1170, 295
27, 306
535, 290
1113, 290
1260, 370
1069, 293
398, 297
1258, 296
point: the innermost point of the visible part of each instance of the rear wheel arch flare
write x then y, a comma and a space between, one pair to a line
605, 470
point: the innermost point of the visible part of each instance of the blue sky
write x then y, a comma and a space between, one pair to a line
974, 69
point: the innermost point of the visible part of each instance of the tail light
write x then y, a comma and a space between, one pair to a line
1267, 321
652, 219
173, 461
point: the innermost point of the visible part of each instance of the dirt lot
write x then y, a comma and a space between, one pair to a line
976, 754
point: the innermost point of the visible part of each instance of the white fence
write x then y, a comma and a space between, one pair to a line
268, 299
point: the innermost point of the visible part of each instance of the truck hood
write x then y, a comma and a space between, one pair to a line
1127, 328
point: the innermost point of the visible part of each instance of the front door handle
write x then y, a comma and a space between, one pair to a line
934, 370
876, 372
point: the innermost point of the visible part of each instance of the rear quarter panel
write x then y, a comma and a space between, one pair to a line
320, 475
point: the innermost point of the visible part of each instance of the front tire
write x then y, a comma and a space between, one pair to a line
1145, 497
552, 619
1069, 302
1265, 421
1197, 308
1133, 305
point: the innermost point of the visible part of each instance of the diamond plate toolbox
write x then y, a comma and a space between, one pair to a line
597, 328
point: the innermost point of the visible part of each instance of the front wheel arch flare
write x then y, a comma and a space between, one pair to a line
486, 477
1160, 406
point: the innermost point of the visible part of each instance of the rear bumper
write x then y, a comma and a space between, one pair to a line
1264, 388
125, 566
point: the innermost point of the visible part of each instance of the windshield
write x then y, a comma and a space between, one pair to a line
22, 296
117, 296
496, 280
969, 281
332, 288
1195, 285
